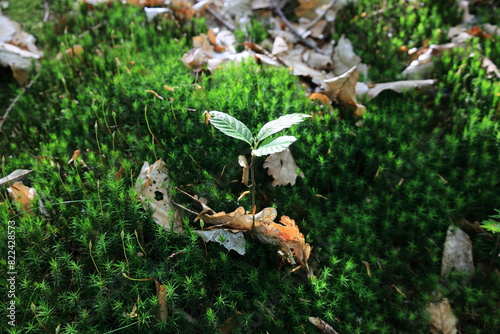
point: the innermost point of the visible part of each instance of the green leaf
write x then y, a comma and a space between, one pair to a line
277, 145
284, 122
230, 126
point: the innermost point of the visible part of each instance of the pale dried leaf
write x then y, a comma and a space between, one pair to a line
400, 86
242, 161
322, 325
344, 58
153, 189
161, 294
343, 89
279, 45
317, 60
443, 319
491, 68
424, 64
299, 68
457, 254
15, 176
491, 29
23, 196
283, 168
229, 239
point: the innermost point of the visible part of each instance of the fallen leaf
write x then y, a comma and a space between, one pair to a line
161, 293
457, 254
322, 325
322, 98
400, 86
283, 168
424, 64
343, 89
344, 58
75, 51
242, 160
153, 189
491, 68
443, 319
23, 196
279, 45
18, 50
286, 234
15, 176
232, 240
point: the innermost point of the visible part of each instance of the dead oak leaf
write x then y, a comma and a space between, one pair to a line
287, 235
343, 89
443, 319
457, 254
152, 187
22, 195
283, 168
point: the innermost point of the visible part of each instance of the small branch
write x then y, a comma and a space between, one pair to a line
220, 19
319, 17
304, 41
46, 14
4, 117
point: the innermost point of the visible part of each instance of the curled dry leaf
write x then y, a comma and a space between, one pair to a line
23, 196
400, 86
17, 50
242, 161
322, 325
343, 89
283, 168
286, 234
161, 293
152, 187
443, 319
457, 254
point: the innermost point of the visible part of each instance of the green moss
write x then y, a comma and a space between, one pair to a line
375, 201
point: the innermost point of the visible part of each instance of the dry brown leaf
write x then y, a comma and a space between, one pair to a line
443, 319
242, 161
161, 293
322, 98
15, 176
23, 196
322, 325
457, 254
343, 89
423, 64
283, 168
75, 51
400, 86
286, 234
153, 189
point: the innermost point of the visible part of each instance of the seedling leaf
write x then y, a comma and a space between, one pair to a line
230, 126
283, 122
277, 145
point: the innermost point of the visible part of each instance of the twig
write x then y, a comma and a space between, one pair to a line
319, 17
46, 14
220, 19
278, 11
4, 117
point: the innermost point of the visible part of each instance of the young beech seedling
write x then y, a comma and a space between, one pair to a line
261, 144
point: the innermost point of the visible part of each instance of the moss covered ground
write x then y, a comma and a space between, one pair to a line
375, 203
